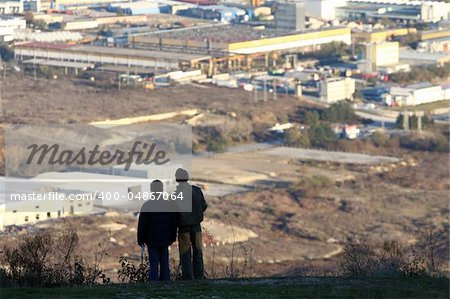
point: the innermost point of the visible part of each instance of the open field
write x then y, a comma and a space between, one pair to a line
63, 101
308, 287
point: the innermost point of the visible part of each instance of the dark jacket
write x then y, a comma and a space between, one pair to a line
199, 206
157, 229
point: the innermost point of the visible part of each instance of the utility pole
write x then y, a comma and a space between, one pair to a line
265, 90
1, 100
275, 89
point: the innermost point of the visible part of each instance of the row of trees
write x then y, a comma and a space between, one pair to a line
319, 133
422, 74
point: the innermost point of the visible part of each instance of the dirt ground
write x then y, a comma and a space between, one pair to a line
26, 100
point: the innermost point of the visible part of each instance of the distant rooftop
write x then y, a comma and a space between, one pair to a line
407, 54
421, 85
228, 33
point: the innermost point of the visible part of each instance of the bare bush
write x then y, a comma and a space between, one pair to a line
357, 259
391, 258
132, 273
310, 186
239, 258
48, 258
211, 272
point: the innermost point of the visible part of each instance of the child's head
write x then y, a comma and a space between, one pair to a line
157, 186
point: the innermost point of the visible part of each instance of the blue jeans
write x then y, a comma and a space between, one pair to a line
159, 260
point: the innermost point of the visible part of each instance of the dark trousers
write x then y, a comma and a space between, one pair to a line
159, 263
191, 254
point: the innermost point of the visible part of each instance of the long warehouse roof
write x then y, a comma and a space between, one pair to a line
111, 51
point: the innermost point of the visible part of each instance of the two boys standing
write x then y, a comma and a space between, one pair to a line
158, 230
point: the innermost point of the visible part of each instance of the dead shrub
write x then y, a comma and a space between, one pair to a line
132, 273
47, 258
239, 259
391, 258
310, 186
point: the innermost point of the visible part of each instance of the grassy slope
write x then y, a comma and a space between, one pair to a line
307, 287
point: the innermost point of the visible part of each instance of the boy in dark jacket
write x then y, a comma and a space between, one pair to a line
158, 231
189, 230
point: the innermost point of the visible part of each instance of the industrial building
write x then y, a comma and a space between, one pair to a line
323, 9
346, 131
397, 10
15, 211
414, 57
239, 47
290, 16
436, 41
30, 212
437, 45
385, 54
9, 25
434, 34
378, 36
415, 94
220, 13
239, 39
112, 56
48, 18
135, 8
82, 24
11, 7
80, 4
336, 89
48, 37
32, 5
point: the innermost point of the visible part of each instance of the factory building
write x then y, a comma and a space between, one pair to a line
415, 94
414, 57
397, 10
135, 8
437, 45
336, 89
83, 24
48, 37
32, 5
323, 9
110, 56
9, 25
11, 7
239, 47
27, 212
385, 54
436, 41
434, 34
239, 39
290, 16
80, 4
220, 13
378, 36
